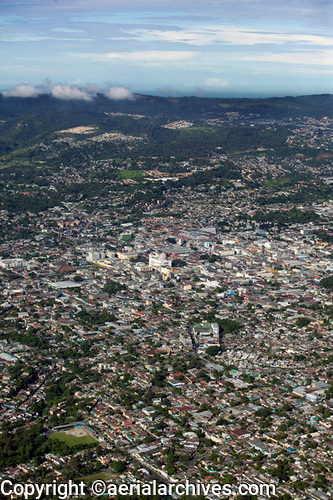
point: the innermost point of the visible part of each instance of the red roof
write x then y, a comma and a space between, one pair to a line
239, 432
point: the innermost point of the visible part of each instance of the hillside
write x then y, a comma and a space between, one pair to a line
127, 146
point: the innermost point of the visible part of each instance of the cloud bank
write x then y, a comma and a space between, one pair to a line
67, 92
23, 90
215, 82
118, 93
70, 92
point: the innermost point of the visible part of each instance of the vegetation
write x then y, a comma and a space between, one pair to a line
95, 318
113, 287
213, 350
72, 440
301, 322
282, 218
327, 282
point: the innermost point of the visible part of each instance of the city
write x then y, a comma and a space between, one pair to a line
172, 318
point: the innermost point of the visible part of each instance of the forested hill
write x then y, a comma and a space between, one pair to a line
127, 146
190, 108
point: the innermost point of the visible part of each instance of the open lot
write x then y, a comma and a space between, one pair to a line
74, 437
93, 477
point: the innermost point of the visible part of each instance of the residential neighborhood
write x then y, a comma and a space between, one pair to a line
196, 352
166, 295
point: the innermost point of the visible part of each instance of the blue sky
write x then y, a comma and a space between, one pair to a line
74, 48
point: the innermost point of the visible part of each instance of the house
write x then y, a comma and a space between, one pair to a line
240, 434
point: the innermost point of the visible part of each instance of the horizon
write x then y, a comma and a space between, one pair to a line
75, 93
209, 49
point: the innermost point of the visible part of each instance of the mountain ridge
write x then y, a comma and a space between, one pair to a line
191, 107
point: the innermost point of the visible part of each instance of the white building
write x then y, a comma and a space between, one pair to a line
158, 260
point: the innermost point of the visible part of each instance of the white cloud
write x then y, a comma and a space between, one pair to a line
119, 93
320, 58
23, 90
28, 37
69, 92
143, 58
22, 37
208, 35
150, 56
215, 82
67, 30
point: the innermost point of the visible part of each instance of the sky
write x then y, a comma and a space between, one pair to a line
223, 48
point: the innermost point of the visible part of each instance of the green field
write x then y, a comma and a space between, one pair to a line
131, 174
72, 440
279, 182
93, 477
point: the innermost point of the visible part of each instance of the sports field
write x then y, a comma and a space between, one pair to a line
93, 477
73, 437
